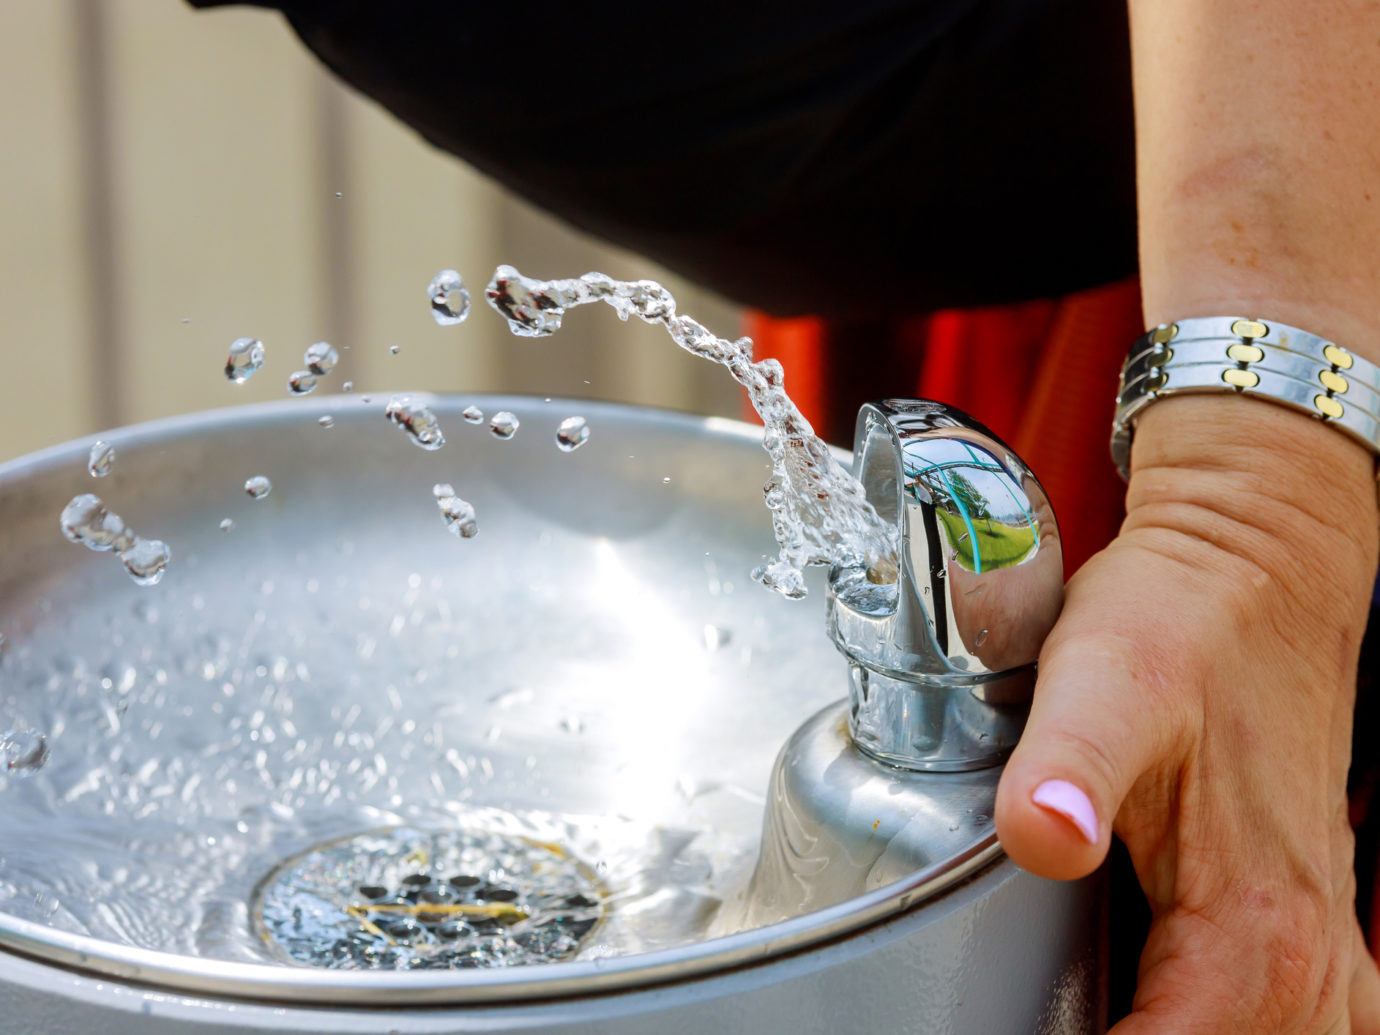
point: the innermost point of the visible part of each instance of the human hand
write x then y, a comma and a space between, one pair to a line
1197, 695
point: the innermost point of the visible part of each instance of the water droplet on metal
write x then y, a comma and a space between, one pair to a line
473, 414
716, 637
450, 300
226, 524
100, 460
572, 434
244, 360
393, 350
23, 752
258, 486
326, 421
504, 424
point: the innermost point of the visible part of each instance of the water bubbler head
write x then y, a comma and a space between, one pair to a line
942, 637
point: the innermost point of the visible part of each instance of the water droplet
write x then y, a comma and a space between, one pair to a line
244, 360
320, 358
23, 752
450, 300
715, 637
339, 194
666, 480
146, 560
86, 520
394, 349
981, 638
302, 382
226, 524
258, 486
326, 421
473, 414
101, 459
504, 424
417, 420
347, 387
572, 434
458, 514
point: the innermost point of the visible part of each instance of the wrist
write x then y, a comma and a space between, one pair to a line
1258, 461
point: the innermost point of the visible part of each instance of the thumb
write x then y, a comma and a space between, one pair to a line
1090, 736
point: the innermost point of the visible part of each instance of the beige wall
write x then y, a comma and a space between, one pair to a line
169, 181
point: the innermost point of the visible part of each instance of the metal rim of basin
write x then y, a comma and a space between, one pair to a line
431, 988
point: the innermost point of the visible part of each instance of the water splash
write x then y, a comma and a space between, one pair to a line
100, 460
417, 420
245, 358
572, 434
822, 516
449, 298
86, 520
257, 486
504, 425
320, 359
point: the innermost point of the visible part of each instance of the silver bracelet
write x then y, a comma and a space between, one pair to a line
1250, 357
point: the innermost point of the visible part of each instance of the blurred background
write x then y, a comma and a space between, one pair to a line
171, 181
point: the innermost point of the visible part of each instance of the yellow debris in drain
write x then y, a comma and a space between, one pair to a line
492, 909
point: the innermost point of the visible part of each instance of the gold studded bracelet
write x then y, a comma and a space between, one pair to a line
1252, 357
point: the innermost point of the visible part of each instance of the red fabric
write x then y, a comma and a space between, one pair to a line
1041, 374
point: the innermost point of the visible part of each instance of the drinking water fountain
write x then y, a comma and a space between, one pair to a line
548, 691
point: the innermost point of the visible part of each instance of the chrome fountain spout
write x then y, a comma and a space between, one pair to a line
942, 638
899, 783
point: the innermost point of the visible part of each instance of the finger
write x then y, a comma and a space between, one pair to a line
1092, 732
1364, 995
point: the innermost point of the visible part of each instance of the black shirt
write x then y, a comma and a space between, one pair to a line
831, 158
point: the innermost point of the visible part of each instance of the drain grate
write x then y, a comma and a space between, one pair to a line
401, 898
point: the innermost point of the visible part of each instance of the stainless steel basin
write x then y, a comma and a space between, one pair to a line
595, 667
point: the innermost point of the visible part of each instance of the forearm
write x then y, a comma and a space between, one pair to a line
1258, 171
1258, 161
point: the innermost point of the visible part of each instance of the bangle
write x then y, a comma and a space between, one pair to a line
1271, 361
